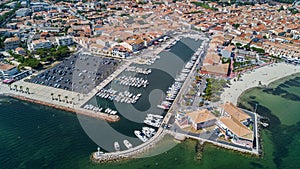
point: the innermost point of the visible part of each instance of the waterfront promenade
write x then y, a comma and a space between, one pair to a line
264, 75
61, 99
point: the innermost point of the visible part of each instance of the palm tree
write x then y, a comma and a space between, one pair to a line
52, 96
16, 87
27, 90
66, 97
59, 97
21, 89
259, 83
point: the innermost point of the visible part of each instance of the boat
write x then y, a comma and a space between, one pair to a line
117, 146
155, 116
140, 135
165, 107
148, 131
152, 123
127, 144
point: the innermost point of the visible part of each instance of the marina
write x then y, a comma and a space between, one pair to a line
99, 109
114, 94
131, 81
173, 90
122, 97
138, 70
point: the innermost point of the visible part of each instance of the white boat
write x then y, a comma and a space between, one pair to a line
140, 135
148, 131
117, 146
127, 144
165, 107
155, 116
152, 123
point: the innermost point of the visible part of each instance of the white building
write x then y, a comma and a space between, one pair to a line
22, 12
64, 41
11, 43
39, 44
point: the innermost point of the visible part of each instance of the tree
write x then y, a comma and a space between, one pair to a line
9, 86
16, 87
238, 44
52, 96
59, 97
21, 89
236, 25
27, 90
66, 97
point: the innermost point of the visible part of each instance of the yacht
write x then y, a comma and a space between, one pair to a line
140, 135
127, 144
117, 146
155, 116
148, 131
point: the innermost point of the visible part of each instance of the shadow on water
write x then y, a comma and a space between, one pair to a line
281, 135
279, 90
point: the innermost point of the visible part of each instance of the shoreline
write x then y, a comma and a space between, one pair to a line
271, 84
263, 76
63, 108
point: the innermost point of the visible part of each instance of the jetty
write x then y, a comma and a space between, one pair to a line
129, 153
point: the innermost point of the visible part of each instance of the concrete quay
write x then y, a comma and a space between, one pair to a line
61, 99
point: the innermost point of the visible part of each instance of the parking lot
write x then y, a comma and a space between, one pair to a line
81, 73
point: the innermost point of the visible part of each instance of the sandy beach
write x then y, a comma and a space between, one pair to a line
265, 75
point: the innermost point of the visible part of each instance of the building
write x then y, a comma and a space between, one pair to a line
235, 125
136, 44
22, 12
64, 41
7, 70
11, 43
119, 52
20, 51
282, 49
201, 119
219, 70
39, 44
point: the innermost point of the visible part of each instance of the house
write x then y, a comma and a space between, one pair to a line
120, 52
11, 43
201, 119
20, 51
39, 44
136, 44
233, 123
7, 70
219, 70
